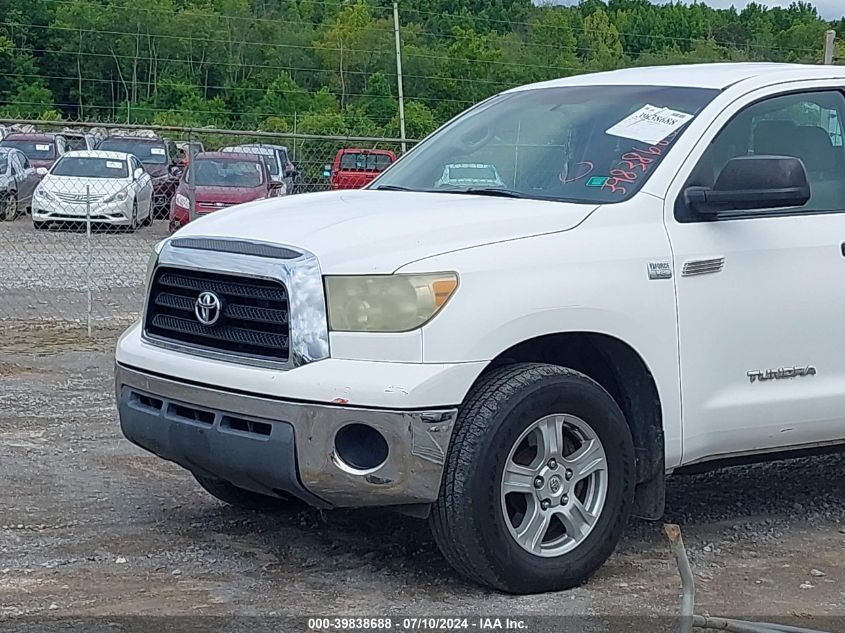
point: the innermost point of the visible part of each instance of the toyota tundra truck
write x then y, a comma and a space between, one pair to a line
651, 289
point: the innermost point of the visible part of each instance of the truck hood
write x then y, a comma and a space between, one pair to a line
367, 231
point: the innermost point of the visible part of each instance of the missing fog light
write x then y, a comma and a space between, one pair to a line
360, 447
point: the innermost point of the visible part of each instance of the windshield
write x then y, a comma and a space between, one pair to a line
354, 161
591, 144
76, 143
151, 153
34, 150
90, 167
225, 173
267, 157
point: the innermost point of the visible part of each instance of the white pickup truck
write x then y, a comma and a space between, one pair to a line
651, 287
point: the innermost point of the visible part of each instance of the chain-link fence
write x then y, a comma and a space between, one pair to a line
82, 207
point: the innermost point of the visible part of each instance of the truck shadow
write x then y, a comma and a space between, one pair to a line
769, 496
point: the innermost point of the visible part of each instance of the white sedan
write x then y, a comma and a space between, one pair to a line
106, 187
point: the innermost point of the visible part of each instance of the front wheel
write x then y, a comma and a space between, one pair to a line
538, 482
9, 207
148, 219
133, 222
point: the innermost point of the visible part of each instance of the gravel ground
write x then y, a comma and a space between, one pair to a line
44, 274
92, 526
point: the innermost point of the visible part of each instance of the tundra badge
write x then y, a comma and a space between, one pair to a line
780, 373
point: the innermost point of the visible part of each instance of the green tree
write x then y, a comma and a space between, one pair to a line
600, 42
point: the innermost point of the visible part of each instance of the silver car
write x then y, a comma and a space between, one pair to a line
18, 179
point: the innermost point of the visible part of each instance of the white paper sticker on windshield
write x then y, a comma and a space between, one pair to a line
157, 151
114, 165
41, 147
650, 124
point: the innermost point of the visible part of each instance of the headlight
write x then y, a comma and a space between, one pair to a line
386, 303
120, 196
181, 201
42, 193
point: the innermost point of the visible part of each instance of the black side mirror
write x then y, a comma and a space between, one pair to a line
176, 170
752, 183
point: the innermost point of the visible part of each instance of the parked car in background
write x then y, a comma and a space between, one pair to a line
355, 168
77, 141
18, 179
186, 149
158, 157
109, 187
221, 180
470, 175
277, 159
42, 150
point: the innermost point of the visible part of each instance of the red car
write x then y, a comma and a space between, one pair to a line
354, 168
221, 180
42, 150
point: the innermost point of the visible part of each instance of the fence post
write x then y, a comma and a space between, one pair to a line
829, 43
192, 190
88, 293
399, 76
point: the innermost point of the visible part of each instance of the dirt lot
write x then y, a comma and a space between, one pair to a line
46, 274
93, 526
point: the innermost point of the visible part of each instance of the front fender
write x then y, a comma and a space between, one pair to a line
592, 279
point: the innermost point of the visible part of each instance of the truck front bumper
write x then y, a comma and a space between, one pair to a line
275, 446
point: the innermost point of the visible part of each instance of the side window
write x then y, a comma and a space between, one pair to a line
807, 126
14, 161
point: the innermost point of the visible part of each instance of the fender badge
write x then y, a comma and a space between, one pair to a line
659, 270
780, 373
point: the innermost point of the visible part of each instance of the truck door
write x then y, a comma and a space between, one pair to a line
761, 299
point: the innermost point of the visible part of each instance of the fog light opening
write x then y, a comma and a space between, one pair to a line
360, 447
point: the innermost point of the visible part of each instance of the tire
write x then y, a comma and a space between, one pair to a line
133, 223
245, 499
148, 221
9, 207
474, 521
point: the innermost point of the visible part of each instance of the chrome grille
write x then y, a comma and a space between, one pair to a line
77, 198
253, 319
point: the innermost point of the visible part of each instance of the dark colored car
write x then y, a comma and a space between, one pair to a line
42, 150
355, 168
159, 158
18, 179
220, 180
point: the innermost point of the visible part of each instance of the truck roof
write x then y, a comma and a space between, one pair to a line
714, 76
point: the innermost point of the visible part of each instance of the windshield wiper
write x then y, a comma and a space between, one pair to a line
491, 191
392, 188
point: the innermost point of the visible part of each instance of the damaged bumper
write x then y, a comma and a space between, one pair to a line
329, 456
